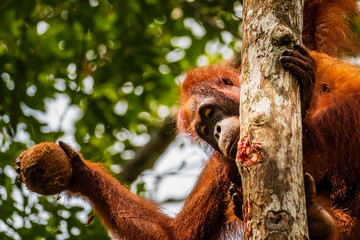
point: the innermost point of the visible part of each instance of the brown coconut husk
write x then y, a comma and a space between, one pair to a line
46, 169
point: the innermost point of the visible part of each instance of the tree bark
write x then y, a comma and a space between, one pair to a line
270, 150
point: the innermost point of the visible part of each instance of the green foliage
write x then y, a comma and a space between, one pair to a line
113, 67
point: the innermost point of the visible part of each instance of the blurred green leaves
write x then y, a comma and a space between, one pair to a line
101, 75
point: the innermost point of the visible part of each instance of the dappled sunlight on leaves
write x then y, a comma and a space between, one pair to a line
104, 77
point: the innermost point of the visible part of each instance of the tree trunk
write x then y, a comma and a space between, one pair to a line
270, 150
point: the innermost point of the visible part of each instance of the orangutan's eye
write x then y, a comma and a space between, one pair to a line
325, 87
204, 130
227, 81
209, 112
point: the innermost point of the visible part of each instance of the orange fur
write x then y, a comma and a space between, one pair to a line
197, 84
341, 77
128, 216
331, 138
327, 28
125, 215
331, 142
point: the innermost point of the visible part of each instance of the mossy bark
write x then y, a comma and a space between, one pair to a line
271, 124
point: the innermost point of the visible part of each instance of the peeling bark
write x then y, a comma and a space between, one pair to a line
270, 153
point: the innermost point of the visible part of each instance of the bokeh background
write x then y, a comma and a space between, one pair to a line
103, 76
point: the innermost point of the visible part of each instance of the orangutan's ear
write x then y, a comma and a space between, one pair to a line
235, 61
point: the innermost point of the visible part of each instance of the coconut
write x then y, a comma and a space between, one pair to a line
46, 169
